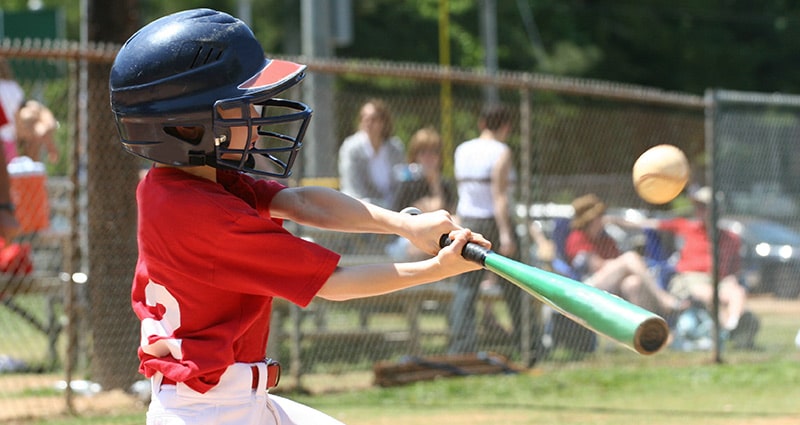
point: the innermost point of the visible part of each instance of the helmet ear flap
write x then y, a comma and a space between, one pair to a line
192, 135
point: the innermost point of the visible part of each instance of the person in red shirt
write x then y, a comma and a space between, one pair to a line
595, 255
9, 226
693, 270
193, 92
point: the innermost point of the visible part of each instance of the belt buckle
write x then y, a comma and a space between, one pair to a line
273, 372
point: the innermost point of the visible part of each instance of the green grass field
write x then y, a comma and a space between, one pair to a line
615, 386
676, 389
658, 394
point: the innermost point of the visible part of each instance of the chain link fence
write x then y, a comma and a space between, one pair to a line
752, 143
756, 169
70, 318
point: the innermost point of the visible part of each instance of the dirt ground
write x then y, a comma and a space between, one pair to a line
24, 398
23, 408
764, 304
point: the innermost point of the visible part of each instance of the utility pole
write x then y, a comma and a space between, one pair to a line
446, 89
489, 38
320, 147
244, 11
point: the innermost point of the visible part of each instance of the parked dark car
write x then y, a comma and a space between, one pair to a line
770, 255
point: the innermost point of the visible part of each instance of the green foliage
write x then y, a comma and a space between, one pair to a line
567, 57
274, 22
687, 46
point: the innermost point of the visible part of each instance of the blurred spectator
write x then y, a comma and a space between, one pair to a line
693, 270
545, 248
11, 99
420, 182
36, 128
30, 126
484, 175
33, 144
9, 226
367, 158
421, 185
599, 262
25, 129
15, 258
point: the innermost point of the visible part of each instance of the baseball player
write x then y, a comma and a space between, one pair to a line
193, 92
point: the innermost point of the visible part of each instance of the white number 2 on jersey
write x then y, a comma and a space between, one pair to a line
161, 332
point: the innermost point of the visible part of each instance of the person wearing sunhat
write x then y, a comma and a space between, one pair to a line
592, 252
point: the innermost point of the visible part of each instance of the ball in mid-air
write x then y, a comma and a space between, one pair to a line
660, 174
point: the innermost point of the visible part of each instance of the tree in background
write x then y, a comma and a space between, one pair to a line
687, 45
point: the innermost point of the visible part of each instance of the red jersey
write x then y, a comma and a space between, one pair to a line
696, 251
211, 259
578, 241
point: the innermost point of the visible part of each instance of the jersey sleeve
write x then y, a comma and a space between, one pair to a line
272, 262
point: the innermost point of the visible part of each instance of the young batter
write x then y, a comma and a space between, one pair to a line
193, 92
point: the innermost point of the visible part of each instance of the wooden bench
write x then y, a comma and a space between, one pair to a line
407, 335
411, 304
390, 323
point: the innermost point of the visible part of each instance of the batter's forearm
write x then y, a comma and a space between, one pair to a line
377, 279
374, 279
332, 210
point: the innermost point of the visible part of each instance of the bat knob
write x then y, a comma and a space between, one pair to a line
411, 211
471, 250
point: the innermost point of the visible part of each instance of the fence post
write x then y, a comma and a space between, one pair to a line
713, 232
527, 325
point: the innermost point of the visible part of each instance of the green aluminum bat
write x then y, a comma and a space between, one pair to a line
634, 327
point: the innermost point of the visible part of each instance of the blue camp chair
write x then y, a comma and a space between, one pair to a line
560, 264
658, 258
560, 330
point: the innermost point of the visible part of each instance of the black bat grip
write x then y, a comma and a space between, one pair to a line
471, 250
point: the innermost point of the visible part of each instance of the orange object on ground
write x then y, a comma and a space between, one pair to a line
29, 194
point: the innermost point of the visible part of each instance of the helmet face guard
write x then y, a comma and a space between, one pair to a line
280, 125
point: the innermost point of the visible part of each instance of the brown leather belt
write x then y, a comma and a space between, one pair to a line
273, 375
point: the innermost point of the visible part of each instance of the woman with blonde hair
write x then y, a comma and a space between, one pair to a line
421, 183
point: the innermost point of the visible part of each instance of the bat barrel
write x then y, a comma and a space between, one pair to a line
607, 314
634, 327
